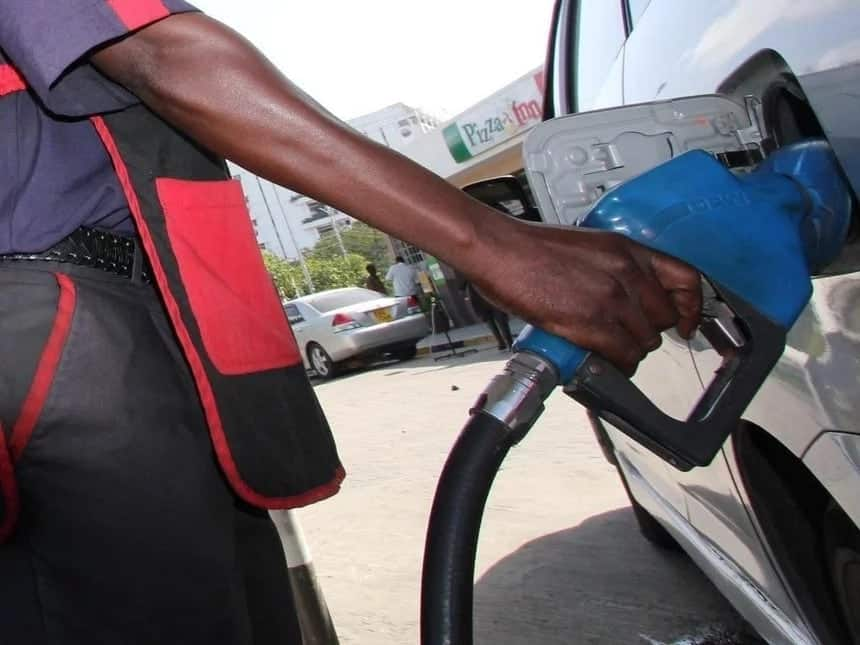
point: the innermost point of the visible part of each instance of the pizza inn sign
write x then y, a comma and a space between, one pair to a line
504, 115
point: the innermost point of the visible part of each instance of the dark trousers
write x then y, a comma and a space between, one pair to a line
127, 531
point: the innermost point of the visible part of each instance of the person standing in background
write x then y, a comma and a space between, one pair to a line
403, 277
372, 281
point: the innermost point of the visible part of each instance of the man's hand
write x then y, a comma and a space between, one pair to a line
598, 290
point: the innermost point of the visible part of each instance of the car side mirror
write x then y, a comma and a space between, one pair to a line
507, 194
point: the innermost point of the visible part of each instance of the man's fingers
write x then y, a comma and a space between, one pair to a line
617, 345
689, 305
657, 305
641, 327
684, 287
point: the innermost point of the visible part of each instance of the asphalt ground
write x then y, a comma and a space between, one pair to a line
560, 558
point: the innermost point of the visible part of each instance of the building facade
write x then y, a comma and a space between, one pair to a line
485, 140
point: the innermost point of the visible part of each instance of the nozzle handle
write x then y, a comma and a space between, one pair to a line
600, 386
765, 232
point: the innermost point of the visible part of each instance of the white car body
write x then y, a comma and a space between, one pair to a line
757, 519
354, 323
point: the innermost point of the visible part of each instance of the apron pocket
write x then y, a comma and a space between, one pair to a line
241, 320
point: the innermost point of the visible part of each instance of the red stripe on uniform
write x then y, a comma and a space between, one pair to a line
8, 491
10, 80
198, 371
137, 13
48, 362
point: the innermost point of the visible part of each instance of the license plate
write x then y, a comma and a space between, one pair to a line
382, 316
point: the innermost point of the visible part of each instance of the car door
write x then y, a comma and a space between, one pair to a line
661, 68
720, 49
586, 72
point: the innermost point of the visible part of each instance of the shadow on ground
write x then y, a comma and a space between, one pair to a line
441, 360
601, 583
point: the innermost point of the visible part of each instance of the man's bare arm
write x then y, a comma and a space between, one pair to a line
203, 78
596, 289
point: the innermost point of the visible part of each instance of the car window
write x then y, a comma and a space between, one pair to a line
600, 34
293, 313
324, 302
635, 10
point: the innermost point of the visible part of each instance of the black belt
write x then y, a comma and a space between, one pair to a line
89, 247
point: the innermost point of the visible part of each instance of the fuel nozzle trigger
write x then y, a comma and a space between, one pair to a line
747, 361
756, 239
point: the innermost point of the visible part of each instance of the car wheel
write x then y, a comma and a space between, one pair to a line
649, 527
841, 541
322, 363
406, 354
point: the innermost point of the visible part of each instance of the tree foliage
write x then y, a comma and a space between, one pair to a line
326, 273
286, 275
360, 239
340, 271
328, 267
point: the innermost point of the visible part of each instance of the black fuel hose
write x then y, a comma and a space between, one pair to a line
452, 533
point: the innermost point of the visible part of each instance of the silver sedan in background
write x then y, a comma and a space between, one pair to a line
353, 323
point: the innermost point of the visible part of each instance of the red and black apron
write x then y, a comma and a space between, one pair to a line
267, 428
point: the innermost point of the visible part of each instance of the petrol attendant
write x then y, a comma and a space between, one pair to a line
152, 399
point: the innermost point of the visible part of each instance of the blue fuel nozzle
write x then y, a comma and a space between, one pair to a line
756, 238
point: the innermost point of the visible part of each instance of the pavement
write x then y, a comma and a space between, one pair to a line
560, 560
469, 336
